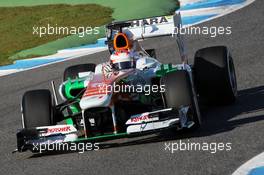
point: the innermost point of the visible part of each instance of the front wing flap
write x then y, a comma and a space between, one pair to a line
29, 139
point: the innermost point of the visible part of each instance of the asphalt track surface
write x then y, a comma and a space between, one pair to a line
241, 123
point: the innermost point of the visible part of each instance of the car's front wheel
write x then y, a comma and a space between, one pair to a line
179, 94
37, 109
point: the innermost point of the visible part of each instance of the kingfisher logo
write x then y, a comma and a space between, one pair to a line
140, 119
150, 21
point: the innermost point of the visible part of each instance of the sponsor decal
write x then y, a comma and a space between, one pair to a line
150, 21
142, 118
61, 129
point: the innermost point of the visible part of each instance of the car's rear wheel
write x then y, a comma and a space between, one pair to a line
179, 93
72, 72
214, 75
37, 109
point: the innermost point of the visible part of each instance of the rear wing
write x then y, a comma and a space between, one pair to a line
149, 28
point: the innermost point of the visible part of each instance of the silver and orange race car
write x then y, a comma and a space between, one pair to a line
101, 103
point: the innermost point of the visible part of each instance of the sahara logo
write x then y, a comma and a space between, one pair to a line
150, 21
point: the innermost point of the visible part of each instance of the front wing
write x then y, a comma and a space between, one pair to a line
38, 138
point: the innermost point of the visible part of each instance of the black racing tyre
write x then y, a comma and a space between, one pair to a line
72, 71
37, 108
179, 93
214, 75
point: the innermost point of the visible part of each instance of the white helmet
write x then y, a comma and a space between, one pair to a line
121, 60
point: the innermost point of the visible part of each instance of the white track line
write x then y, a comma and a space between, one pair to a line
255, 162
248, 2
185, 2
12, 71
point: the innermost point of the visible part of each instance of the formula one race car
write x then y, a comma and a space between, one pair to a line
129, 97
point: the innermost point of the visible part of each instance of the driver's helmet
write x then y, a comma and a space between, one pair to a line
122, 60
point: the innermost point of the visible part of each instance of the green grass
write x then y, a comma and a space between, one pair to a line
26, 47
16, 24
123, 9
53, 46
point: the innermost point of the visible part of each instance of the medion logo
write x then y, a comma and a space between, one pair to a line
150, 21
